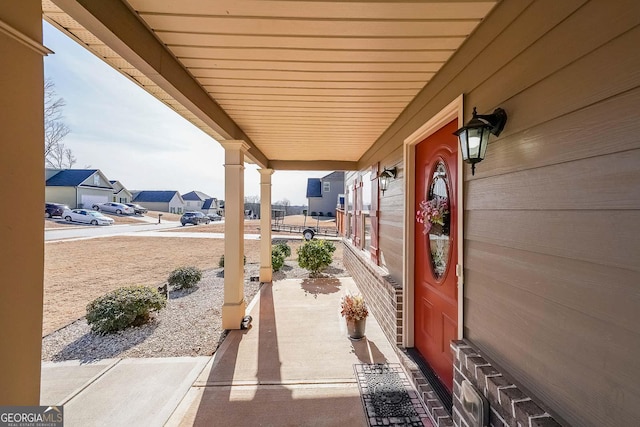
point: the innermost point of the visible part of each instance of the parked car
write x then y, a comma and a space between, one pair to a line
214, 217
194, 218
54, 209
86, 216
117, 208
137, 209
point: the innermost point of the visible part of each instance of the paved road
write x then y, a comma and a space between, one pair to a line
80, 231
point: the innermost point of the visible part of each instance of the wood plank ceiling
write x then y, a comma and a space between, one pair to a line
305, 80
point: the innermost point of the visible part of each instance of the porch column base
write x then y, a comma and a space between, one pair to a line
232, 315
266, 274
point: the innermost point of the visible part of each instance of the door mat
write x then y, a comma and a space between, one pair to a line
388, 398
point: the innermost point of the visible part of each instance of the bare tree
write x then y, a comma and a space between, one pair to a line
55, 153
285, 203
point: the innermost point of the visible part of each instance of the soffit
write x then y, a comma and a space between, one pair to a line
305, 80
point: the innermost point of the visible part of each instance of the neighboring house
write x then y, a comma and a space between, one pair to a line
120, 193
323, 193
210, 206
194, 200
163, 201
77, 188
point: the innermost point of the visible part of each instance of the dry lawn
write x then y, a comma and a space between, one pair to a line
77, 272
165, 215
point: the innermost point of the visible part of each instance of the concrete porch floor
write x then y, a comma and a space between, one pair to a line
294, 367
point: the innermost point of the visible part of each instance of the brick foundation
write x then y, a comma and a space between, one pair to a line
382, 294
508, 404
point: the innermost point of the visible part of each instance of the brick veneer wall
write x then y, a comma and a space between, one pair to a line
508, 404
382, 294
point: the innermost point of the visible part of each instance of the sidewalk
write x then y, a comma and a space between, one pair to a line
293, 367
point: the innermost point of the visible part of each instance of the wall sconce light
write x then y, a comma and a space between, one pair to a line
474, 136
385, 176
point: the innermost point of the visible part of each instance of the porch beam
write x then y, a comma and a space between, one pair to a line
233, 309
21, 163
315, 165
266, 271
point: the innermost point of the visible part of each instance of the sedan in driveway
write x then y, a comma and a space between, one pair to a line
214, 217
194, 218
117, 208
54, 209
137, 209
86, 216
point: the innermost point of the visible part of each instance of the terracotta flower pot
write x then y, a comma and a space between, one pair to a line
355, 329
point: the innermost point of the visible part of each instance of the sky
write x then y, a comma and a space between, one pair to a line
132, 137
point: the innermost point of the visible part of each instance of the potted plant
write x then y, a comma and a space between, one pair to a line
354, 310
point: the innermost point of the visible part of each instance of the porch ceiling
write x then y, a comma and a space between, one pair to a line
308, 84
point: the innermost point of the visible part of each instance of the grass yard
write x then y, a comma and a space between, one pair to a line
77, 272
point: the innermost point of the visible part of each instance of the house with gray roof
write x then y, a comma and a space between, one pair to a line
211, 206
164, 201
195, 200
323, 193
77, 188
120, 193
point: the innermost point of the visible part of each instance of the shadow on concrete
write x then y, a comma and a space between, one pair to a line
265, 399
320, 285
367, 351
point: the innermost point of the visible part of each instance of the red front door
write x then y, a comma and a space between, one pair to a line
436, 250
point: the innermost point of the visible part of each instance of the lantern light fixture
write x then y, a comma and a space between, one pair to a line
385, 176
474, 136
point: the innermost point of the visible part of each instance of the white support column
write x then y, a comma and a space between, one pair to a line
265, 225
22, 170
233, 309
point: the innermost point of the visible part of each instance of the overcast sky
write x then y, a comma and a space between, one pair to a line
132, 137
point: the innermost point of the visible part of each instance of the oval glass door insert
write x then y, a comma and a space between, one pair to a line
440, 218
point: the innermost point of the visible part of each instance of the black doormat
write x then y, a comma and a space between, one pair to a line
388, 398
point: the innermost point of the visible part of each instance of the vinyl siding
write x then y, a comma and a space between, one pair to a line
552, 216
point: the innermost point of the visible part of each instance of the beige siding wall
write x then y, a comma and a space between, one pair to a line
153, 206
391, 214
391, 218
64, 195
552, 216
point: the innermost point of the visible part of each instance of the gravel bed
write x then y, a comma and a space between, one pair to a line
190, 324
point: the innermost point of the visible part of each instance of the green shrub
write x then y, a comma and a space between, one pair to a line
277, 257
286, 249
185, 277
221, 262
122, 308
315, 255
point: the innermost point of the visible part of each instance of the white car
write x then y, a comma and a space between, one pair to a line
87, 216
117, 208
